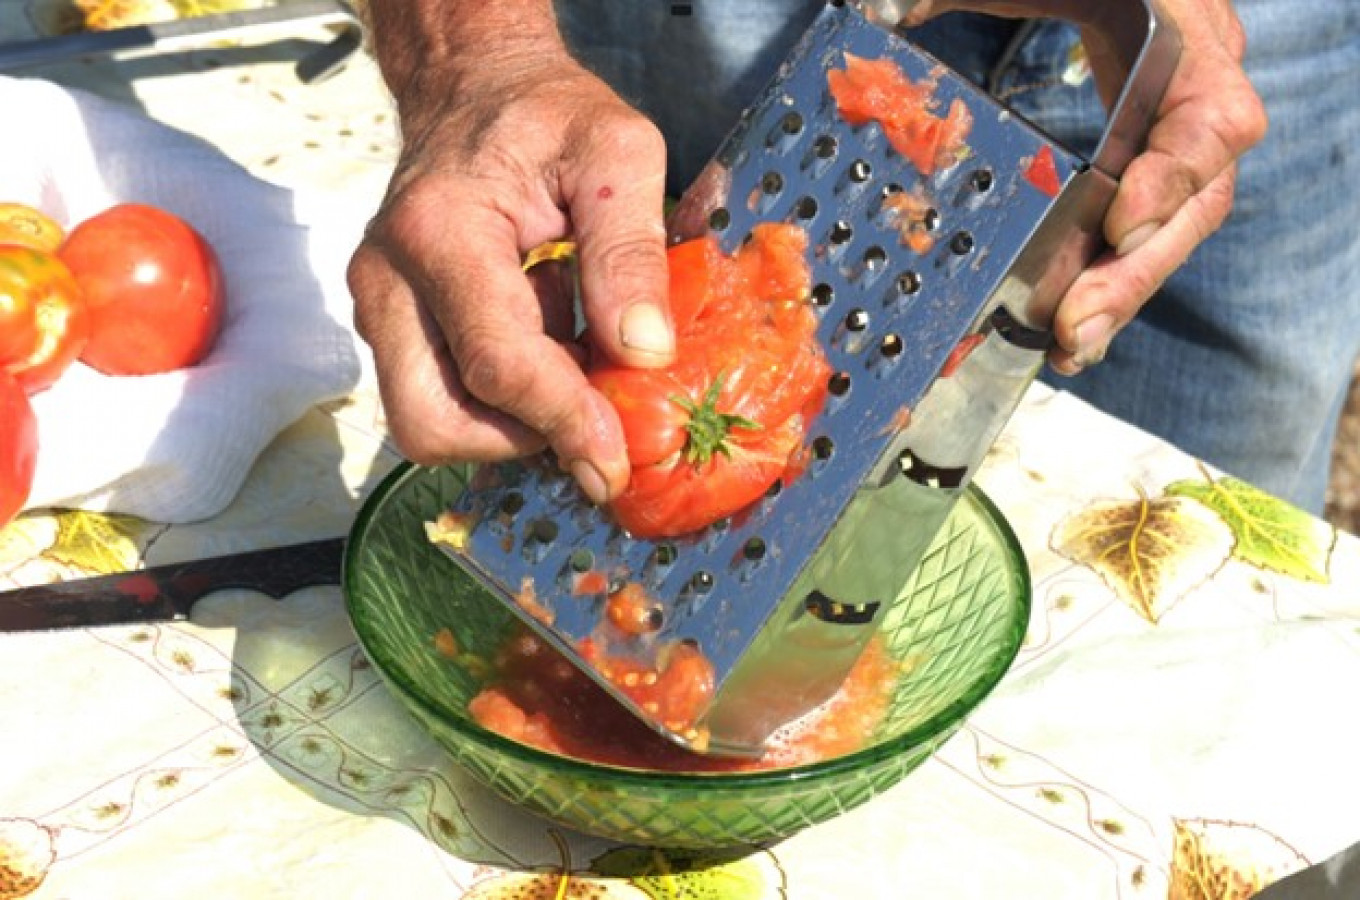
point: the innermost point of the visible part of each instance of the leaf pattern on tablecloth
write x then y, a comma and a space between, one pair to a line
1214, 860
551, 886
1271, 534
1090, 816
99, 542
679, 874
75, 16
641, 873
26, 853
1150, 552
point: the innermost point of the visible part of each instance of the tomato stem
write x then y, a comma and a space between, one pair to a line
707, 428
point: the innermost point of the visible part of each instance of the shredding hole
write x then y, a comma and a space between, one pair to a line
834, 612
908, 283
823, 447
754, 550
839, 384
512, 503
543, 531
890, 346
841, 232
581, 560
823, 294
719, 219
857, 320
771, 183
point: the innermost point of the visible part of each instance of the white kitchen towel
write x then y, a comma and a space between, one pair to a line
176, 447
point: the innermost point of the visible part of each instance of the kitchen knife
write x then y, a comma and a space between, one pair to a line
168, 592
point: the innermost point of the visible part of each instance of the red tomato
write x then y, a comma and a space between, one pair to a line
18, 448
711, 433
43, 321
153, 286
1042, 172
877, 90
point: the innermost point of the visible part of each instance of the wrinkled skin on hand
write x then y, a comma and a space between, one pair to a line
474, 356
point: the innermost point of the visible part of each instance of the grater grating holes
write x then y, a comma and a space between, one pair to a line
838, 385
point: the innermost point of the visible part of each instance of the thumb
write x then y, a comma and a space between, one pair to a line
615, 194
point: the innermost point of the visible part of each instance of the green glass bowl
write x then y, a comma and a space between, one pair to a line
969, 603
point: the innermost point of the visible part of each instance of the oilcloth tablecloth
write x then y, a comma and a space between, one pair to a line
1178, 725
175, 447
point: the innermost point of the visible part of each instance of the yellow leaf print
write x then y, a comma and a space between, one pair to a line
1150, 552
26, 853
1227, 861
1271, 534
97, 542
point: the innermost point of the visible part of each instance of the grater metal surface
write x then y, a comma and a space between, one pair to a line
782, 599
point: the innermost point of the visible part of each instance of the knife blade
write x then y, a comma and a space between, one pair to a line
168, 592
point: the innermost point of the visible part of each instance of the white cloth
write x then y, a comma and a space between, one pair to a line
176, 447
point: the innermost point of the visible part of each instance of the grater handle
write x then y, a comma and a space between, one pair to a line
1148, 47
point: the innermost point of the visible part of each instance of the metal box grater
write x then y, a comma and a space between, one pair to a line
782, 599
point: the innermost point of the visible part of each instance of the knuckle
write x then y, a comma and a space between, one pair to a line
369, 282
634, 255
635, 136
491, 371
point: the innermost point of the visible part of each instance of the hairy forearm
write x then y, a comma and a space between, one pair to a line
428, 45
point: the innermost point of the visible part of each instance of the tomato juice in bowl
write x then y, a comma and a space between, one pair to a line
946, 643
538, 697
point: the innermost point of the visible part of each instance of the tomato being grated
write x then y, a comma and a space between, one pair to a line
877, 90
711, 433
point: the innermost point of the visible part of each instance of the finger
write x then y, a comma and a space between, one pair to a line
490, 316
1210, 117
1110, 292
614, 184
431, 417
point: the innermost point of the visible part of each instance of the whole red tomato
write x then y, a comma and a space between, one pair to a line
43, 321
18, 448
153, 286
711, 433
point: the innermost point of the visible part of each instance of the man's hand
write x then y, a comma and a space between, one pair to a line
1173, 195
508, 143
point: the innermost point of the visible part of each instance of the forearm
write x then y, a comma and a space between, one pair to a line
423, 46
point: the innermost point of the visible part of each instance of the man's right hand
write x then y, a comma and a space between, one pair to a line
507, 143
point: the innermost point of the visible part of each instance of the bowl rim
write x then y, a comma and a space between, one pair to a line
943, 723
